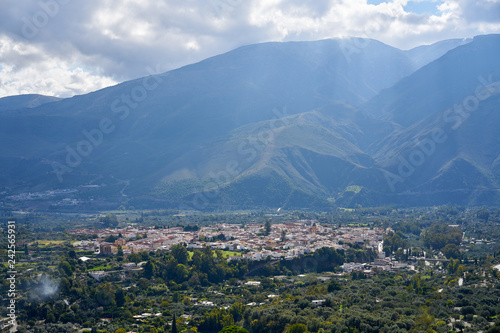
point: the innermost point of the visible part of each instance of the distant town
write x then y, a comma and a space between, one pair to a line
284, 242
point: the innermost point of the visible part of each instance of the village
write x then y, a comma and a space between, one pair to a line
283, 242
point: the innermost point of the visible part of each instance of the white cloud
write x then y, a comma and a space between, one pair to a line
64, 47
25, 70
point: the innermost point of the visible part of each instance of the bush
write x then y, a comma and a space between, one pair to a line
233, 329
468, 310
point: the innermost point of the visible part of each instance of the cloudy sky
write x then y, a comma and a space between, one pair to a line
68, 47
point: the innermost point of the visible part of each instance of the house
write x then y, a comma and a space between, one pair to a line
399, 265
98, 275
381, 262
194, 246
120, 241
324, 278
105, 249
318, 302
349, 267
252, 283
276, 255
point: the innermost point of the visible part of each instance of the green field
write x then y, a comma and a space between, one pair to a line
47, 242
99, 268
225, 254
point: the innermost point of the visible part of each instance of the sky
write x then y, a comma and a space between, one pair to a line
70, 47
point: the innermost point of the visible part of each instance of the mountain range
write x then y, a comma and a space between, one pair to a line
332, 123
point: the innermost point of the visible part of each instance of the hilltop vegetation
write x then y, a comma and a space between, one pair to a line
202, 291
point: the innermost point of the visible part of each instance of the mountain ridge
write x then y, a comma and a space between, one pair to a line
299, 124
28, 101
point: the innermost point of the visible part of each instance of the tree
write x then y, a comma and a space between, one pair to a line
180, 253
267, 228
174, 325
120, 253
451, 251
440, 234
105, 295
394, 241
181, 273
233, 329
66, 268
143, 283
109, 220
297, 328
237, 310
194, 280
215, 320
459, 325
51, 318
64, 285
468, 310
333, 286
119, 297
110, 239
483, 214
283, 235
149, 270
134, 257
144, 255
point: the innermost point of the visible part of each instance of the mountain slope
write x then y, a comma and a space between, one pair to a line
313, 155
441, 83
275, 125
450, 157
138, 128
425, 54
